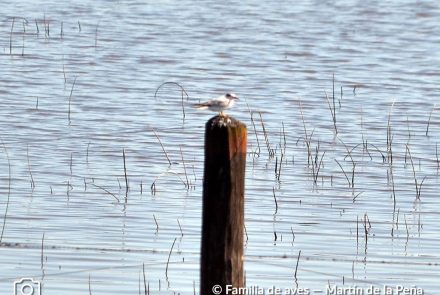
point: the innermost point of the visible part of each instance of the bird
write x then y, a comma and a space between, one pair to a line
218, 104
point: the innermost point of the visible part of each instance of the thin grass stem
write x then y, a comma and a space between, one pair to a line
168, 261
70, 99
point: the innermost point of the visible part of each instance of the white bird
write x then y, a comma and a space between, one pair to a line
218, 104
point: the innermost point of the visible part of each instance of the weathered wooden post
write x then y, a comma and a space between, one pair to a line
223, 205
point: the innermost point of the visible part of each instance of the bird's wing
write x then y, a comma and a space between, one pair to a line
202, 105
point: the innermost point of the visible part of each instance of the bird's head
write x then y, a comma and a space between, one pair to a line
231, 96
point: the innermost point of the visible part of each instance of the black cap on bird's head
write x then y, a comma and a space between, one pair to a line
231, 96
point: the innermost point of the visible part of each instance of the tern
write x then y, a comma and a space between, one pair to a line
218, 104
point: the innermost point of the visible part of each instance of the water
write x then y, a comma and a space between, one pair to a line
276, 57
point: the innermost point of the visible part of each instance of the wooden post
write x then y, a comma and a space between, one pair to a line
223, 205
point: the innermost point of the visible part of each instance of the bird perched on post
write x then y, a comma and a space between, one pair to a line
218, 104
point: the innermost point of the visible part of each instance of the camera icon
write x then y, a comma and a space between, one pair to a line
27, 286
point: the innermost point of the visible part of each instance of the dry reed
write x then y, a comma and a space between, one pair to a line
429, 119
296, 268
29, 168
182, 91
125, 176
168, 261
163, 148
157, 224
70, 99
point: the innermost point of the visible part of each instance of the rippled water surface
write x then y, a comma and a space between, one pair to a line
77, 90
